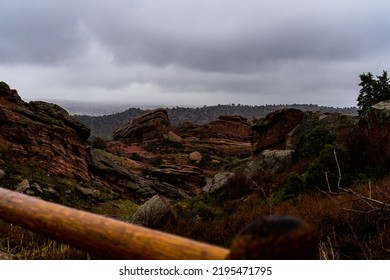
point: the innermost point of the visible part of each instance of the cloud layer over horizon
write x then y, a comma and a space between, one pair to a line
182, 52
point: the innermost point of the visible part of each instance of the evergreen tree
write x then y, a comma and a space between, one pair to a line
373, 90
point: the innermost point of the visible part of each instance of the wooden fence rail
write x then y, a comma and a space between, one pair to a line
279, 238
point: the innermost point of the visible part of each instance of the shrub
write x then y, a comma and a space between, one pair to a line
324, 168
312, 144
204, 211
295, 186
98, 143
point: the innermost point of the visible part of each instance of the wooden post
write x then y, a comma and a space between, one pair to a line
104, 237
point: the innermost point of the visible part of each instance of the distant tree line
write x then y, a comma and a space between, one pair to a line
103, 126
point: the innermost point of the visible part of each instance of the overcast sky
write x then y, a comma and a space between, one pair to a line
193, 52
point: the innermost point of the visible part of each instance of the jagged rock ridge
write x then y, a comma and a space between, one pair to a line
43, 133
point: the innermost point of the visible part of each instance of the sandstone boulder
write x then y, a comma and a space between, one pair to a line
22, 186
51, 191
195, 156
152, 213
219, 180
89, 192
150, 126
270, 161
173, 137
36, 187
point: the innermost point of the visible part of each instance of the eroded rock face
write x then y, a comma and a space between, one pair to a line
42, 134
150, 126
229, 135
272, 131
188, 178
108, 172
231, 127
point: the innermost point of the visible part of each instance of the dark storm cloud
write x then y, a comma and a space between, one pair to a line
37, 32
245, 36
275, 50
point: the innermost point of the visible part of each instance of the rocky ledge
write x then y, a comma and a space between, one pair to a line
42, 134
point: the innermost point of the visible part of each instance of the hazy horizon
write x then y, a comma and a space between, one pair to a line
99, 108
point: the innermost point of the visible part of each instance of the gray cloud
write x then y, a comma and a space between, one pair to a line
178, 50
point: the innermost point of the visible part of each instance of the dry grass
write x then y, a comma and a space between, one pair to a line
23, 244
327, 250
343, 234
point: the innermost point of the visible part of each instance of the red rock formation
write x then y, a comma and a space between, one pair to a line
188, 178
231, 127
42, 134
229, 135
112, 172
150, 126
271, 132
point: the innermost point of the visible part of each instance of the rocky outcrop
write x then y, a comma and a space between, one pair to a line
105, 169
43, 135
272, 131
150, 126
35, 189
219, 180
341, 126
188, 178
277, 135
229, 135
269, 161
229, 127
